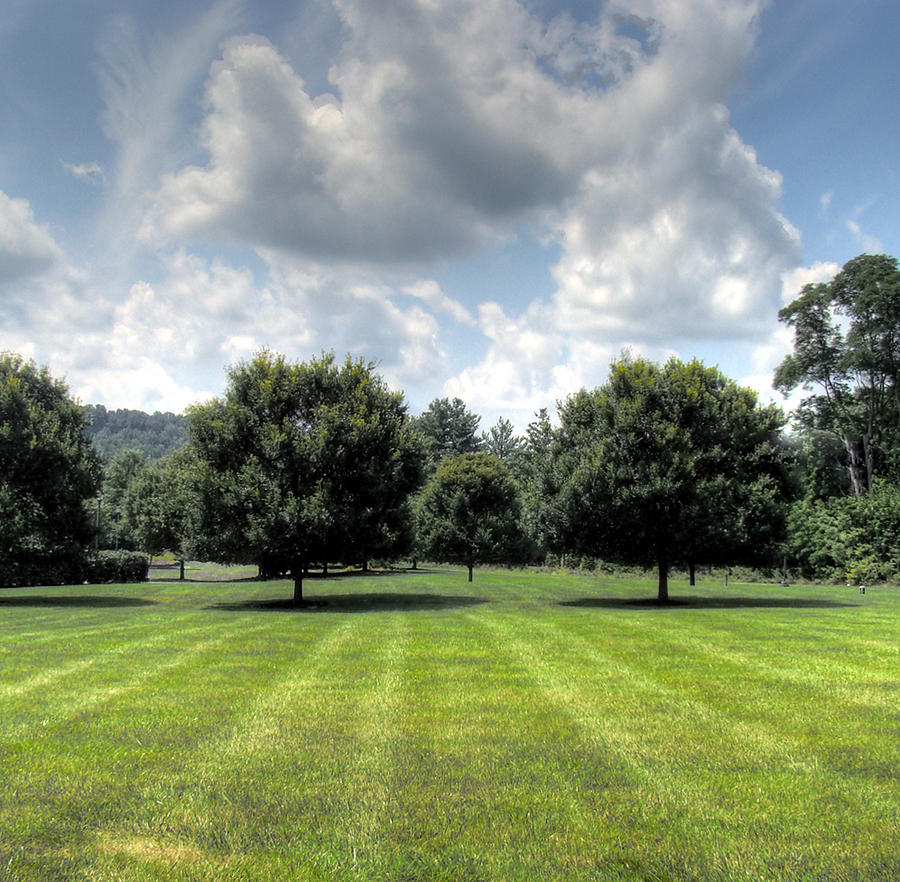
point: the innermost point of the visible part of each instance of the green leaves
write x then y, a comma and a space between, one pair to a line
847, 347
469, 512
47, 465
668, 464
305, 462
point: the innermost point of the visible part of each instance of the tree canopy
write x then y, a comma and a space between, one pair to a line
304, 462
672, 464
847, 351
469, 512
449, 429
49, 467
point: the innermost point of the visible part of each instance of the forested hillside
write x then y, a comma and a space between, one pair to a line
155, 435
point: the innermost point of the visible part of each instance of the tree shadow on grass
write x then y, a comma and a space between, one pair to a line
353, 603
709, 603
80, 600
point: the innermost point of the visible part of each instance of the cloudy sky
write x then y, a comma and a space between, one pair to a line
490, 198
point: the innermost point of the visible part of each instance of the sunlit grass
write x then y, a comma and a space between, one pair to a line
412, 726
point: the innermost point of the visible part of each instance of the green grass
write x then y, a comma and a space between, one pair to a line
410, 726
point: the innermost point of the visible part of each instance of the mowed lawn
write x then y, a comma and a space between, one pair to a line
409, 726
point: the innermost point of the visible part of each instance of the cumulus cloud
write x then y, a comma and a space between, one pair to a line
451, 123
27, 248
448, 120
447, 126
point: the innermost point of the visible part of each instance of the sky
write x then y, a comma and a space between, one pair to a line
491, 199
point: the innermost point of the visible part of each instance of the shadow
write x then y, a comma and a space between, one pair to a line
353, 603
81, 600
187, 581
710, 603
314, 576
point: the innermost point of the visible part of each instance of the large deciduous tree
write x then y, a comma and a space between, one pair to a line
671, 465
304, 462
469, 512
847, 351
48, 468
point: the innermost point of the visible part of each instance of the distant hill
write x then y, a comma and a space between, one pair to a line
155, 435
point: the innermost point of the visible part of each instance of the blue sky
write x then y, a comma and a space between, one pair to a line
490, 198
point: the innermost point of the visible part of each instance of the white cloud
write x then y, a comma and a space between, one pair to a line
431, 293
450, 125
91, 171
870, 244
27, 248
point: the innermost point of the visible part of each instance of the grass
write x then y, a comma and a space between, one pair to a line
410, 726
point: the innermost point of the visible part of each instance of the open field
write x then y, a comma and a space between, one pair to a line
410, 726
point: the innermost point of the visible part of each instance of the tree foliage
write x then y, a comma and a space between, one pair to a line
304, 462
449, 428
115, 431
48, 467
159, 505
847, 351
469, 512
671, 465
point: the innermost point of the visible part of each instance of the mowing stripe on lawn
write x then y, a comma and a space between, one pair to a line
104, 656
667, 768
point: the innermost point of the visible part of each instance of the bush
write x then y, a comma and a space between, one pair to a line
116, 566
74, 569
45, 571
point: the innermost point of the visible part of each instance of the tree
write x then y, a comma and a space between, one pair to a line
118, 477
469, 512
449, 429
847, 346
540, 483
301, 463
503, 443
160, 502
671, 465
48, 468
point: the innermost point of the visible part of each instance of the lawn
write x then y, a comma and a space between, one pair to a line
410, 726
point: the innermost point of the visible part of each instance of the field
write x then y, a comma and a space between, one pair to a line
409, 726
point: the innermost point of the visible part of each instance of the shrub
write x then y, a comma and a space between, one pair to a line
116, 566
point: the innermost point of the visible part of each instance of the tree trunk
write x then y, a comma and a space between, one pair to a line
870, 466
181, 571
663, 596
854, 466
693, 572
325, 569
297, 570
470, 572
365, 566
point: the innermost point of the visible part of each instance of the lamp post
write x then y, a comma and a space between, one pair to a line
97, 526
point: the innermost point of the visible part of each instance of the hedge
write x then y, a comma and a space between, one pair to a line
93, 567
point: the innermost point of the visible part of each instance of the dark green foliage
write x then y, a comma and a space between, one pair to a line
115, 567
469, 512
449, 429
671, 465
47, 469
300, 463
118, 477
503, 443
850, 538
160, 502
116, 431
847, 350
540, 480
51, 570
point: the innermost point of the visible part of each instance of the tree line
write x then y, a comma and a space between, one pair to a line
311, 464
